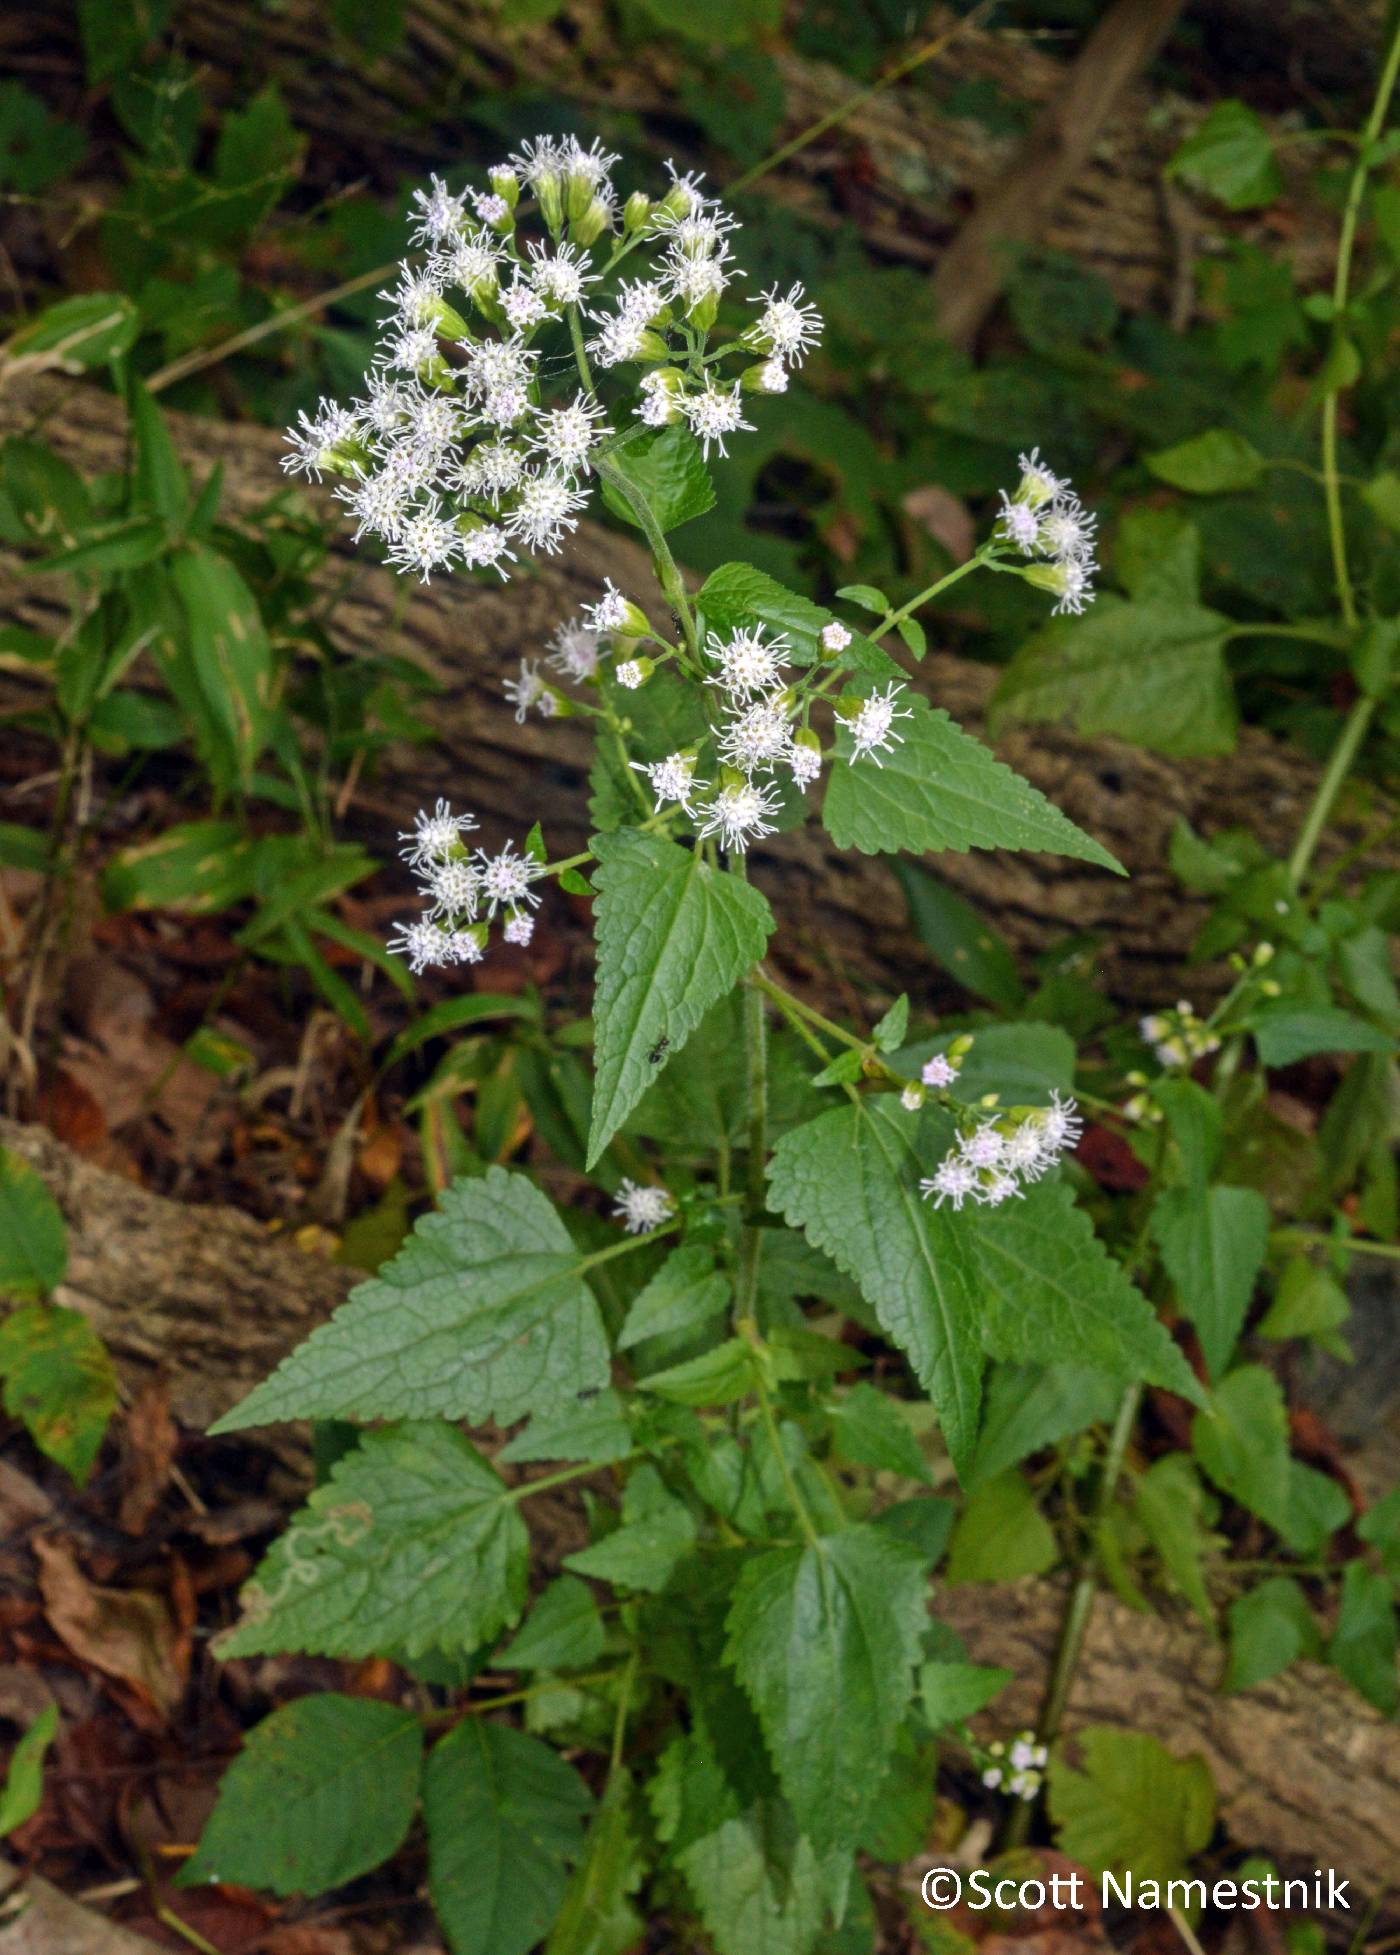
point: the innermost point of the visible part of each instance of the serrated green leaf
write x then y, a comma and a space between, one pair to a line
482, 1314
1051, 1290
590, 1428
866, 596
505, 1817
685, 1293
1152, 673
23, 1789
1241, 1442
868, 1427
1000, 1535
738, 594
756, 1883
674, 935
1213, 1242
1168, 1500
563, 1631
657, 1529
716, 1377
824, 1640
33, 1238
1209, 464
891, 1031
941, 789
322, 1791
1134, 1807
850, 1181
60, 1380
1030, 1406
950, 1692
667, 468
414, 1543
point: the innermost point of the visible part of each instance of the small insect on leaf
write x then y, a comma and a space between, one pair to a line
658, 1051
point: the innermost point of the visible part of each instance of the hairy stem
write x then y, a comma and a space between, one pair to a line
1329, 787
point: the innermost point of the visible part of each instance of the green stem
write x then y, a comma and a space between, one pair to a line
1330, 786
624, 1700
789, 1005
1331, 478
667, 573
893, 618
795, 1500
528, 1488
1311, 634
756, 1070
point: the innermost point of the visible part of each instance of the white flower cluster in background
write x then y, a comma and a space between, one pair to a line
641, 1207
1180, 1037
1017, 1770
465, 890
1045, 520
478, 428
993, 1160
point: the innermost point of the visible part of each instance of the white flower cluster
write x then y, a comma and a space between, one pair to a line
465, 448
1046, 520
640, 1207
939, 1071
993, 1159
1179, 1037
464, 890
1017, 1772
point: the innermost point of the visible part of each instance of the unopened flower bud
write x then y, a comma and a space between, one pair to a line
635, 212
768, 377
590, 224
506, 184
549, 194
912, 1098
703, 314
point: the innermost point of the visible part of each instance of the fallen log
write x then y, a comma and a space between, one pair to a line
1305, 1769
839, 914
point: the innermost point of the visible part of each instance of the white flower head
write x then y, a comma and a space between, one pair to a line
520, 927
565, 436
314, 443
790, 327
473, 260
1038, 484
1020, 524
486, 548
739, 814
912, 1097
640, 1208
436, 836
415, 298
523, 306
758, 737
493, 469
414, 348
530, 689
749, 664
630, 673
546, 510
772, 377
610, 612
672, 780
425, 541
574, 650
422, 943
871, 726
506, 878
440, 214
983, 1147
1077, 592
453, 887
713, 413
804, 763
1067, 531
939, 1070
835, 637
953, 1180
561, 276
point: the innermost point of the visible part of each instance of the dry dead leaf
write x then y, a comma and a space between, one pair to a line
149, 1439
945, 517
124, 1633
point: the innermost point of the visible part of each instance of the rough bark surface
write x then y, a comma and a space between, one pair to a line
901, 163
839, 913
1305, 1769
206, 1294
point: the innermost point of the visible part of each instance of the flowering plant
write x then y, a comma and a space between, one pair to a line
738, 1647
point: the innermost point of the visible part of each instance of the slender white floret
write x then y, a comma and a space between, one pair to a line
422, 943
561, 277
672, 780
790, 327
546, 511
574, 650
426, 541
436, 836
453, 887
610, 612
411, 350
714, 413
749, 663
530, 689
953, 1180
505, 878
739, 814
1020, 524
758, 737
440, 214
872, 728
417, 295
567, 435
315, 442
1038, 484
640, 1208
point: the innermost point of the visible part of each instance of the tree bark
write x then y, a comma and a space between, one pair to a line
842, 917
1305, 1769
